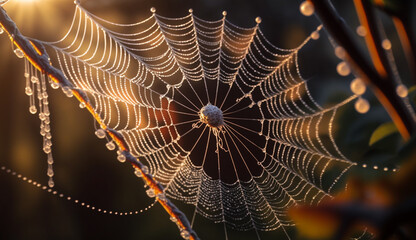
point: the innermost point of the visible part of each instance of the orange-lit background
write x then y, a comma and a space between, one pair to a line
84, 168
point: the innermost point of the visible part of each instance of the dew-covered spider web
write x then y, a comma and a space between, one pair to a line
222, 118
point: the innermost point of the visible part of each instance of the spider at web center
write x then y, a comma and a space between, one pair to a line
212, 116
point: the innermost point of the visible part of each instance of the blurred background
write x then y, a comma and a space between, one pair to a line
86, 170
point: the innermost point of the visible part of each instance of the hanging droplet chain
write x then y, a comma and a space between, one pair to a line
36, 89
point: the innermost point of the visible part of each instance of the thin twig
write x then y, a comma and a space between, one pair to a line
383, 87
36, 54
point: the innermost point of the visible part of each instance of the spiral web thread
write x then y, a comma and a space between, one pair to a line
148, 81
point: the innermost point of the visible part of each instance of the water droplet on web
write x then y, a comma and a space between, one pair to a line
340, 52
162, 197
100, 133
34, 79
42, 116
362, 105
28, 91
357, 86
50, 159
110, 145
402, 91
150, 192
32, 109
47, 149
67, 91
185, 234
121, 158
343, 69
50, 172
307, 8
55, 85
82, 105
51, 184
386, 44
361, 31
315, 35
145, 170
173, 219
258, 20
138, 173
19, 53
1, 30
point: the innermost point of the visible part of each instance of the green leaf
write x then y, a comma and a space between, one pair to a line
384, 130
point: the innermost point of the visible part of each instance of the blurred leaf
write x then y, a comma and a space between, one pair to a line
412, 94
394, 7
313, 223
384, 130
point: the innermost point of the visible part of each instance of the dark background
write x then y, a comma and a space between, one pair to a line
86, 170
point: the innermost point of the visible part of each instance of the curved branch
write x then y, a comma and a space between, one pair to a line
382, 86
36, 54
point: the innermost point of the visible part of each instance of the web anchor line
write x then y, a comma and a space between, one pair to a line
76, 201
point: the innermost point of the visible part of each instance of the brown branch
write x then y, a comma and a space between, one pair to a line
367, 18
36, 54
383, 87
406, 36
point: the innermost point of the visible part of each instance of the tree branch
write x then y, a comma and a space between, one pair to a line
383, 87
36, 54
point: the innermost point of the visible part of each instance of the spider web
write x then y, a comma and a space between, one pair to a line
149, 80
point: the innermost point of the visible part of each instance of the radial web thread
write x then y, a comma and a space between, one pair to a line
149, 80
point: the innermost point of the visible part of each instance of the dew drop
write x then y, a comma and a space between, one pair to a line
1, 30
386, 44
258, 20
47, 149
343, 69
357, 86
67, 91
82, 105
55, 85
110, 146
19, 53
100, 133
50, 159
315, 35
340, 52
121, 158
42, 116
307, 8
173, 219
50, 172
34, 79
362, 105
145, 170
32, 109
51, 184
185, 234
29, 91
162, 197
361, 31
150, 192
138, 173
153, 10
402, 91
